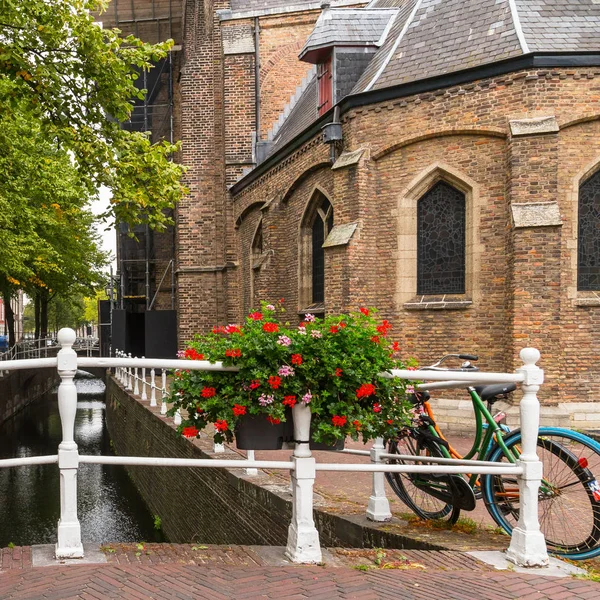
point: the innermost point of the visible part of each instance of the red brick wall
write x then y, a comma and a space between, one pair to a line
524, 290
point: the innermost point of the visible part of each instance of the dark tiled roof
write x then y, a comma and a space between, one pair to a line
301, 116
444, 36
560, 25
348, 27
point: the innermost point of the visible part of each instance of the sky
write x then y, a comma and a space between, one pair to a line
109, 237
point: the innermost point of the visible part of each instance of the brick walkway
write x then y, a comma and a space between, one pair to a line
185, 572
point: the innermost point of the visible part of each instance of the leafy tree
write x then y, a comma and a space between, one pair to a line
76, 80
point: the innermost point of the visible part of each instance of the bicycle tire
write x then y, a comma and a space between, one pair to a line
569, 509
406, 485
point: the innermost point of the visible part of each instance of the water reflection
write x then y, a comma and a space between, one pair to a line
109, 507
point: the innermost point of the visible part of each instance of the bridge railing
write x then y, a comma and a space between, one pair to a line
527, 546
48, 347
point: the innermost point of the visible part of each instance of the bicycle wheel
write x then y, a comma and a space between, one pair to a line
412, 488
569, 497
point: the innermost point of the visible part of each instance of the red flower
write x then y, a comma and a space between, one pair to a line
296, 359
233, 352
364, 311
366, 389
273, 420
199, 410
376, 407
357, 425
190, 432
271, 327
338, 372
221, 425
281, 300
219, 329
375, 339
289, 401
254, 384
193, 354
239, 410
384, 327
232, 329
208, 392
338, 421
256, 316
274, 381
390, 421
396, 346
303, 324
334, 329
342, 324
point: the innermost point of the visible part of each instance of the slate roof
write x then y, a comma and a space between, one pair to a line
434, 37
560, 25
347, 27
303, 114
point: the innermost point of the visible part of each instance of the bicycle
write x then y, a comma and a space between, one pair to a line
569, 497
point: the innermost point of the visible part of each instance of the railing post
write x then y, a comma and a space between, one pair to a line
177, 418
136, 385
379, 506
527, 545
251, 471
152, 388
303, 538
163, 405
128, 372
69, 531
144, 395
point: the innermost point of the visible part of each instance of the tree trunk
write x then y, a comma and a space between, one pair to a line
10, 318
36, 311
44, 314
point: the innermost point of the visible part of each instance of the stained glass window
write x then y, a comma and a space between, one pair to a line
322, 224
441, 241
588, 239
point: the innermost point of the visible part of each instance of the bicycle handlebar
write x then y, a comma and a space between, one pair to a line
464, 367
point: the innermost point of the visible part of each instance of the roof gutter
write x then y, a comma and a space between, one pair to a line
538, 60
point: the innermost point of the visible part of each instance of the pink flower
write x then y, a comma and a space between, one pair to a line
309, 318
265, 400
302, 330
307, 398
410, 389
286, 371
270, 307
316, 333
181, 354
284, 340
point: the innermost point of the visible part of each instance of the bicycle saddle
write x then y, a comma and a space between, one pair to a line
490, 393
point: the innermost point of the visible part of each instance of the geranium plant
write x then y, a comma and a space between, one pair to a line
333, 365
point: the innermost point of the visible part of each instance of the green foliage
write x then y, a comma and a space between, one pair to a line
11, 545
334, 365
73, 82
157, 523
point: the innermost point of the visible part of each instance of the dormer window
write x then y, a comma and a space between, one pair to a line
325, 78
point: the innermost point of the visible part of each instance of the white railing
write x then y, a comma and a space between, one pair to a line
138, 375
48, 347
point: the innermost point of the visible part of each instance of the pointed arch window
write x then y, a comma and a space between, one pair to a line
588, 237
317, 223
441, 241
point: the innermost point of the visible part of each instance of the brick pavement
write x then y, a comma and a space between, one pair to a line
185, 572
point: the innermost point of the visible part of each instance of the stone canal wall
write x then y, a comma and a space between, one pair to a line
219, 506
20, 388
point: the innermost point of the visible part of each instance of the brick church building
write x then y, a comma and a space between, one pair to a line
437, 159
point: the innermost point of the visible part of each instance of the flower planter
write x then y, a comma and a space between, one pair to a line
254, 432
339, 445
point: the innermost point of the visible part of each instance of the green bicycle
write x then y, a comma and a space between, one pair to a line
569, 497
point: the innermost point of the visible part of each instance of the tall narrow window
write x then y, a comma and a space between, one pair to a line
588, 238
441, 241
257, 259
317, 223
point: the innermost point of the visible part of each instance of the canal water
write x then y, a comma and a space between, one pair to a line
109, 506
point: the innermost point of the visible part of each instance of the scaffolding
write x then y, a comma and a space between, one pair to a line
144, 261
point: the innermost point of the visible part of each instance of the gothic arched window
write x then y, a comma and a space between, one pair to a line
441, 234
588, 237
317, 223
